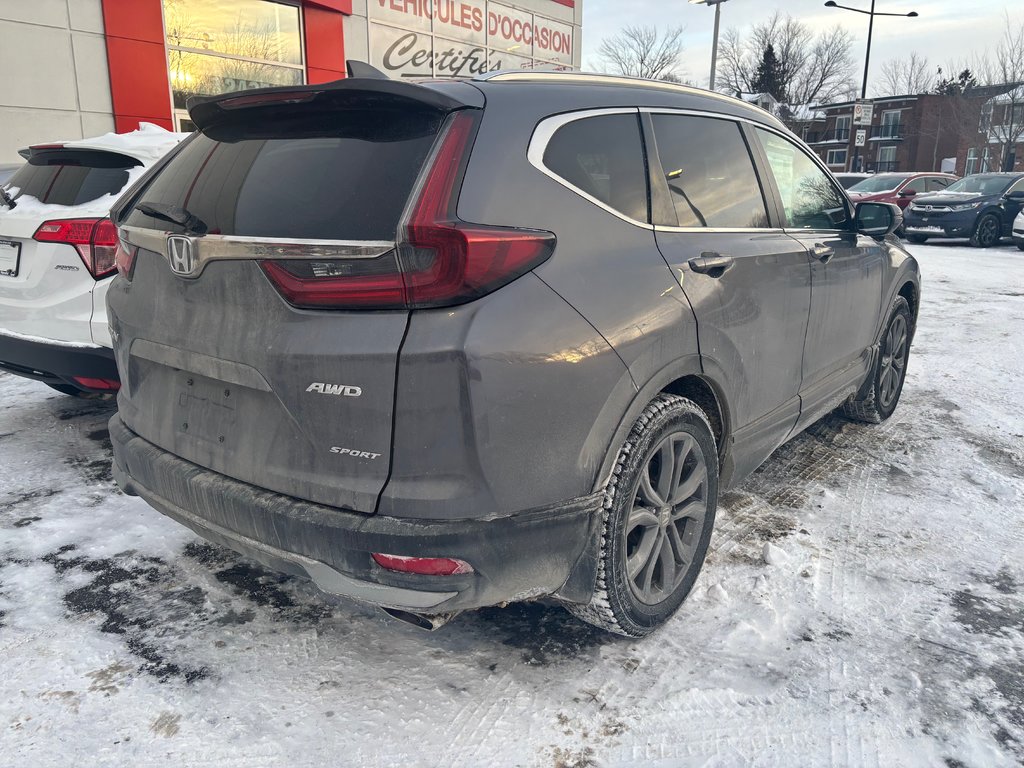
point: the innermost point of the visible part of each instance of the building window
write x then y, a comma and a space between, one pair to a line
978, 162
464, 39
843, 128
890, 124
836, 157
886, 159
220, 46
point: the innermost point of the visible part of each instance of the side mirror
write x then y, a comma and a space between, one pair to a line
1016, 195
908, 193
877, 219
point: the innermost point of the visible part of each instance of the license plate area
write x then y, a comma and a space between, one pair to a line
10, 258
205, 409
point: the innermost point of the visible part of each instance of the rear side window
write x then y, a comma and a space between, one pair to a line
603, 157
332, 178
810, 199
709, 172
936, 184
72, 178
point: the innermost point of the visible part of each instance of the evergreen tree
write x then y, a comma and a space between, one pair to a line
771, 75
955, 86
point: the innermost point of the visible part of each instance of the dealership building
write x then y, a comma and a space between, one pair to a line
79, 68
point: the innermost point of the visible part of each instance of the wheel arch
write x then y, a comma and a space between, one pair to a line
685, 378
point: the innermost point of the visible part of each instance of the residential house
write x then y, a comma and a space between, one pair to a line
906, 133
998, 142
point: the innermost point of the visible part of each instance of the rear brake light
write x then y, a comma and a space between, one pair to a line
277, 97
440, 261
109, 385
426, 566
94, 239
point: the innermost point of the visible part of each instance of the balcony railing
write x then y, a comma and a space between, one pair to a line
824, 137
887, 131
882, 166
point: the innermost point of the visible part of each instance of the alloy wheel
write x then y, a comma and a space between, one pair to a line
894, 360
988, 232
664, 525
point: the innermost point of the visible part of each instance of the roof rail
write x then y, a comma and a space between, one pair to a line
594, 78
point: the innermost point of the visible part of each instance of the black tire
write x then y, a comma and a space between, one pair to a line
987, 231
1021, 246
919, 239
881, 393
67, 389
678, 532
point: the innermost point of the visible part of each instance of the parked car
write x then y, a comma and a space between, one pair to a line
1018, 230
849, 179
57, 256
980, 207
898, 188
447, 345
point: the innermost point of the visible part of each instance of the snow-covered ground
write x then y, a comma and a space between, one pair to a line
888, 628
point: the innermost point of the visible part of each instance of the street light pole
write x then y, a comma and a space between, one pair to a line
871, 28
867, 55
714, 42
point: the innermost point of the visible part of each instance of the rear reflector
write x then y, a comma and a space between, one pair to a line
109, 385
124, 258
94, 239
440, 261
426, 566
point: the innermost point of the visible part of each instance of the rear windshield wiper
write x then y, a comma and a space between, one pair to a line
8, 200
174, 214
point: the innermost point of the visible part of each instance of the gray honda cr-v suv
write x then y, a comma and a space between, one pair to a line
444, 345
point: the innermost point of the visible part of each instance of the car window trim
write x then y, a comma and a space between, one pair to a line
659, 186
777, 194
545, 131
546, 128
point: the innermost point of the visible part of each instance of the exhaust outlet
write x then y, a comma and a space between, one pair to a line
421, 620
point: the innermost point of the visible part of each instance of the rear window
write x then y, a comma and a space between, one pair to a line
71, 178
336, 177
603, 157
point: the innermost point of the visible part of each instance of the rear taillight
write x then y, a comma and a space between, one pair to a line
124, 258
94, 239
105, 385
425, 566
439, 261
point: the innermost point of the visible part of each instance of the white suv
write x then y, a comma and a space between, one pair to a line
57, 255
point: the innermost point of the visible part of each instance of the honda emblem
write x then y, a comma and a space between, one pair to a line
181, 255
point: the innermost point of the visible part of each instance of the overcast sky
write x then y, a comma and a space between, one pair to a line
944, 31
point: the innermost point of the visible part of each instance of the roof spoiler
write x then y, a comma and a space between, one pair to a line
364, 86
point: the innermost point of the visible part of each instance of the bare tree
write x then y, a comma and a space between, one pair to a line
816, 68
643, 51
1003, 117
910, 75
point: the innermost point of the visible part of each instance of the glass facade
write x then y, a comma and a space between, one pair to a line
220, 46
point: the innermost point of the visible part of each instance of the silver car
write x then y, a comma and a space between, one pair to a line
446, 345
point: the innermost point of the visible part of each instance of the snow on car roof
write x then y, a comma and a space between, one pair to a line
147, 144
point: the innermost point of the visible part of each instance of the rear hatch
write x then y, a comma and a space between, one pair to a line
48, 269
258, 323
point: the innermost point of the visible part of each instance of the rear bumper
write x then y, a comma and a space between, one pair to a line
531, 554
53, 362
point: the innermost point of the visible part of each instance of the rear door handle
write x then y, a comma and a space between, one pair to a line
822, 252
710, 263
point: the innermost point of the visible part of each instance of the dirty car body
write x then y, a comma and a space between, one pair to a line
420, 321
